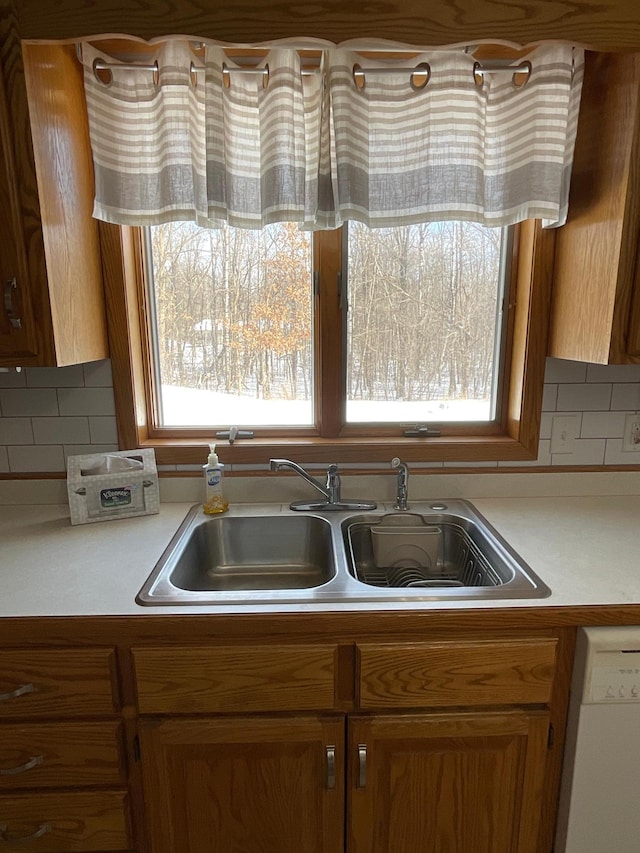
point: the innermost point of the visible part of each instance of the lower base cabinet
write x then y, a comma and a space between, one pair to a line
454, 782
405, 783
244, 785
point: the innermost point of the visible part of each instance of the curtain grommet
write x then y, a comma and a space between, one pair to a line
102, 73
522, 74
358, 76
420, 76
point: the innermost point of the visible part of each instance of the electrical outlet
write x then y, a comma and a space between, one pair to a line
564, 430
631, 440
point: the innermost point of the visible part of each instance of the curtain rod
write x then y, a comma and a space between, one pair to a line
481, 67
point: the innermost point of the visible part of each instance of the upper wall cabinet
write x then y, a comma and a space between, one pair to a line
596, 291
52, 310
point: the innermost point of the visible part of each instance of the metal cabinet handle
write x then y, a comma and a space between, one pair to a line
19, 691
18, 839
9, 287
331, 767
362, 765
34, 761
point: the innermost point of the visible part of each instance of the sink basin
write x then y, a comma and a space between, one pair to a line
440, 552
447, 552
228, 554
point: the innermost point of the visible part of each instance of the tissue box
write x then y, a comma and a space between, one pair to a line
121, 484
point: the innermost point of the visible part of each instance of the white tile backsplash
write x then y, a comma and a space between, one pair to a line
626, 397
584, 397
586, 451
61, 430
602, 424
15, 402
615, 455
103, 430
62, 377
36, 458
13, 379
86, 401
612, 372
47, 414
97, 374
560, 370
16, 431
549, 398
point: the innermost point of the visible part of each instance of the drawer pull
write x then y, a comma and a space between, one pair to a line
18, 839
10, 286
19, 691
34, 761
362, 765
331, 767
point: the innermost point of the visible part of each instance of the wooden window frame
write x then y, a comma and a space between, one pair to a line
514, 438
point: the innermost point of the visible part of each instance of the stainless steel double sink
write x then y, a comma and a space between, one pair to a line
441, 551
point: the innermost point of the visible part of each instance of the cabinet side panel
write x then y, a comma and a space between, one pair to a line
595, 250
65, 182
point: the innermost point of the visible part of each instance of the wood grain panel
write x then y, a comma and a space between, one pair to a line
64, 168
596, 249
458, 673
72, 755
244, 784
454, 782
14, 341
80, 821
64, 683
607, 25
244, 678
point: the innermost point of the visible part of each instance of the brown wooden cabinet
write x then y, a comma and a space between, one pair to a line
52, 309
63, 777
257, 785
416, 783
440, 745
304, 736
457, 782
595, 312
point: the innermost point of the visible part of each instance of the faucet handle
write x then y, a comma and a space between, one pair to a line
333, 484
402, 493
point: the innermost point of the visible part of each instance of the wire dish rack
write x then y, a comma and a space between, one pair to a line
458, 561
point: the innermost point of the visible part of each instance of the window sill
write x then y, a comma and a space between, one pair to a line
258, 451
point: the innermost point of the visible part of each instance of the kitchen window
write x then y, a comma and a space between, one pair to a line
355, 326
234, 314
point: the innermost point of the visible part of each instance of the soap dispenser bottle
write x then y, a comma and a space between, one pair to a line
214, 501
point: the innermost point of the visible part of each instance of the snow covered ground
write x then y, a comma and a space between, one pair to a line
189, 407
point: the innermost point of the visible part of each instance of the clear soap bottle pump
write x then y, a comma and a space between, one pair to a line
214, 501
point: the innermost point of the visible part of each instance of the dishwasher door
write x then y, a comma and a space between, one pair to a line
599, 808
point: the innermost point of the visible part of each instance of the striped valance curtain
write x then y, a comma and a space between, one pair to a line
182, 138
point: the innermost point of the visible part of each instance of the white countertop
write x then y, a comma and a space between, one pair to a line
586, 549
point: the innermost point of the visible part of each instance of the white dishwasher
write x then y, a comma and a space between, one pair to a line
599, 807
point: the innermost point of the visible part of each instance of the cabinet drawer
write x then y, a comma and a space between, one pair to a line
60, 755
56, 683
238, 678
65, 823
485, 672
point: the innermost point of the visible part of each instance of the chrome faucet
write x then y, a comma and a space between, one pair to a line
330, 491
402, 492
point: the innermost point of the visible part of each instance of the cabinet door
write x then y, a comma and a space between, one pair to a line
455, 782
244, 785
15, 309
